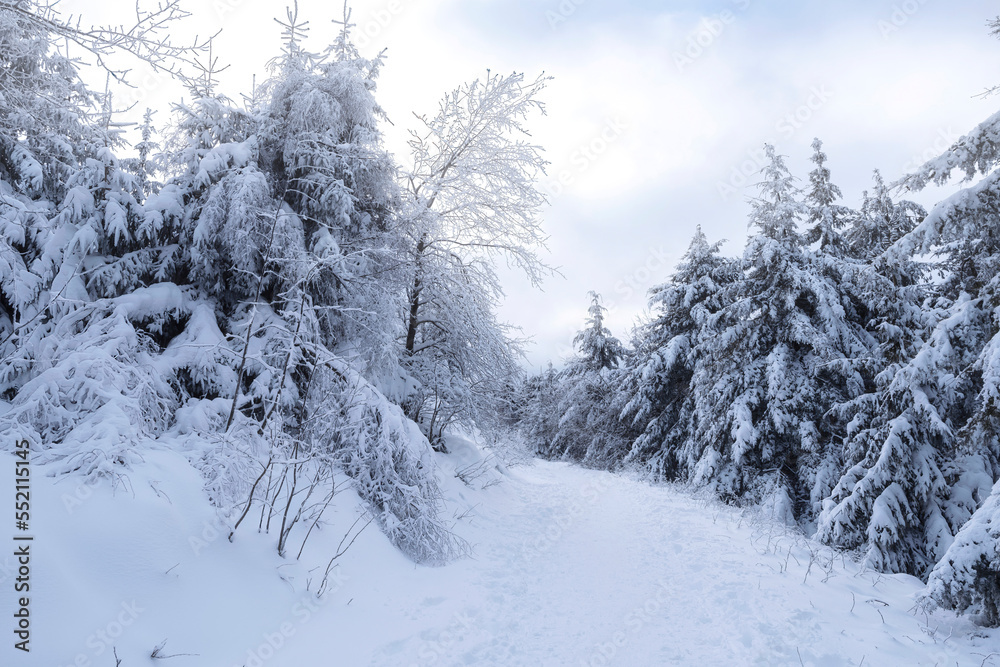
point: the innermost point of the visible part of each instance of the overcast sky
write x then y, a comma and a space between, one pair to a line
655, 111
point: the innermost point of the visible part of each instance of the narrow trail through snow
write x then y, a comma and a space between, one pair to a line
569, 568
579, 567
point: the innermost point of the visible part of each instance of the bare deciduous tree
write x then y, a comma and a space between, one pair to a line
473, 200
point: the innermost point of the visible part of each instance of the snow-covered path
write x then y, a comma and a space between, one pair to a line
570, 567
578, 567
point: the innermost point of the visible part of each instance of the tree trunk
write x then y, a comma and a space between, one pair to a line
411, 327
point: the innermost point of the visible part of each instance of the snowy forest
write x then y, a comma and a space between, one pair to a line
261, 287
265, 285
843, 372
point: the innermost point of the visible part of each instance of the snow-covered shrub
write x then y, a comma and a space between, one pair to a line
95, 395
387, 457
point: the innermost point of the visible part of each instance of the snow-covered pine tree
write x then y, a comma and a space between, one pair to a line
295, 193
965, 229
539, 420
319, 135
938, 453
145, 164
888, 290
589, 430
598, 348
881, 221
38, 155
77, 246
894, 500
966, 578
889, 497
291, 245
656, 386
826, 218
829, 256
781, 337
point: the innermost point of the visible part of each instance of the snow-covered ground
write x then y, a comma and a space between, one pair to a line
569, 567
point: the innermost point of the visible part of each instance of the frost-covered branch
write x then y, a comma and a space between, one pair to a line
147, 37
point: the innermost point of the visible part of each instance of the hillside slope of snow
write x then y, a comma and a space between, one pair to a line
568, 567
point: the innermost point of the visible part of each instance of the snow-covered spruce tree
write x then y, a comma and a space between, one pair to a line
966, 578
597, 347
779, 345
894, 500
290, 243
472, 199
889, 497
965, 228
146, 164
889, 289
826, 218
77, 245
539, 418
588, 429
657, 383
933, 458
49, 128
319, 135
881, 222
907, 489
829, 256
